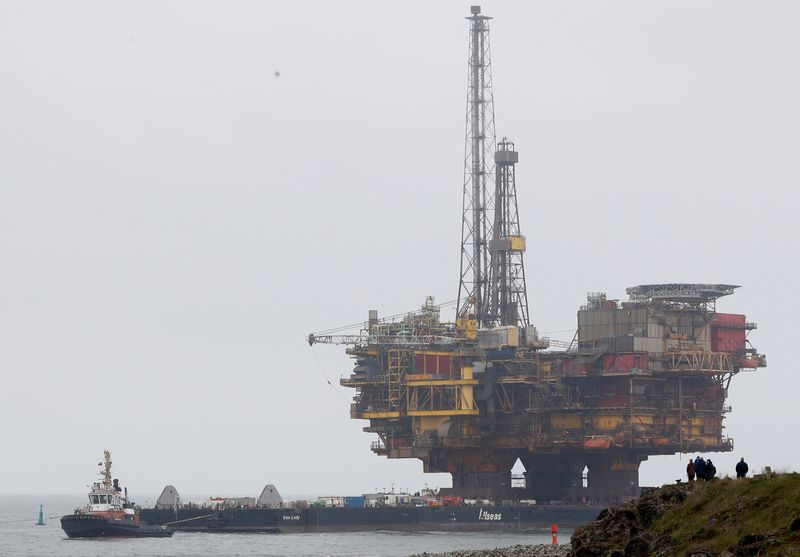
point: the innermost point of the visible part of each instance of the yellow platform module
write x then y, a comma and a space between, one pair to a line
518, 243
442, 397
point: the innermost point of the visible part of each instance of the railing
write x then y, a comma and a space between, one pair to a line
377, 446
698, 360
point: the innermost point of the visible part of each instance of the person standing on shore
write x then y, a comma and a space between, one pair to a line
711, 470
690, 471
741, 469
700, 468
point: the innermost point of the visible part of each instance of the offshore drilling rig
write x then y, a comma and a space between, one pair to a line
645, 376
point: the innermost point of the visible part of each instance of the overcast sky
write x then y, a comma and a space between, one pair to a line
187, 189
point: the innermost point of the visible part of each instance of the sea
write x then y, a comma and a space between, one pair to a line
19, 536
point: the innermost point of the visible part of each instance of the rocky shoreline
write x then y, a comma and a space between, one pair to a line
723, 518
513, 551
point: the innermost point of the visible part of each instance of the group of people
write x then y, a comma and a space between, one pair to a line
706, 471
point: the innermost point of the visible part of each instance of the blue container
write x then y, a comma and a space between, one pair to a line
353, 502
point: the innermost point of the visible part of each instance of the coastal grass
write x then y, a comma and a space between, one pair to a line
718, 514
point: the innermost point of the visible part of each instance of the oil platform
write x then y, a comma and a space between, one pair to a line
645, 376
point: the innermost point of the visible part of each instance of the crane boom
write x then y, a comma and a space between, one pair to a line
397, 340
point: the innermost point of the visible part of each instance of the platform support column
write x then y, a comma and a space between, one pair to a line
553, 477
613, 477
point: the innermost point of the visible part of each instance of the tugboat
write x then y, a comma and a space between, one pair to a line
109, 513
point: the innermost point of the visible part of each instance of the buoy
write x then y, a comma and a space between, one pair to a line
41, 516
554, 531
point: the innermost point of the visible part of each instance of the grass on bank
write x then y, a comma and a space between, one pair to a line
718, 514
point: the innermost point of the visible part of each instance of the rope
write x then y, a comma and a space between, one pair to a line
189, 519
322, 370
33, 520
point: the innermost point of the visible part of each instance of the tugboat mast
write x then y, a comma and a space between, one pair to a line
106, 473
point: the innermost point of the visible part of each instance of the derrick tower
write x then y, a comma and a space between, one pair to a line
643, 376
508, 297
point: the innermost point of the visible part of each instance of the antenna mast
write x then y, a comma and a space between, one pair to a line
476, 223
106, 473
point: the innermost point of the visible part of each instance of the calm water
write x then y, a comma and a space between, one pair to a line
19, 536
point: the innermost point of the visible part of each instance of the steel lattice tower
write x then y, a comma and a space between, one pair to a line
508, 303
476, 224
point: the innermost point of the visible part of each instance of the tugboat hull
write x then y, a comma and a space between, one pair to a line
92, 526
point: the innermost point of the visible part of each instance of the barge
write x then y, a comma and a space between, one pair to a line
277, 518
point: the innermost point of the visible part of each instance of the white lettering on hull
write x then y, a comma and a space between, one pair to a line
483, 515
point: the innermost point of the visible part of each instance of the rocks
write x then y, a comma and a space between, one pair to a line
726, 518
705, 532
513, 551
755, 544
639, 545
624, 531
701, 553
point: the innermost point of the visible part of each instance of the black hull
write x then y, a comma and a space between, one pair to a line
92, 526
465, 518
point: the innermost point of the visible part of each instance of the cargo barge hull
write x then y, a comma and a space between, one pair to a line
288, 520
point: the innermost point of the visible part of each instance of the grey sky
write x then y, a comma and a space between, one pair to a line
175, 218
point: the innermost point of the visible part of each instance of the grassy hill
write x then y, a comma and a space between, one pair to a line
753, 516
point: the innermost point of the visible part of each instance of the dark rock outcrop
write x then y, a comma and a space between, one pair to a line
624, 530
724, 518
755, 544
